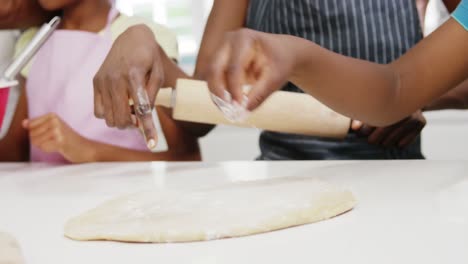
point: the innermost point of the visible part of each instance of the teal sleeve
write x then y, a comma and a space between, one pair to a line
461, 14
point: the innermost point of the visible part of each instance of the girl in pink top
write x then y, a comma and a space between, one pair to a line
59, 122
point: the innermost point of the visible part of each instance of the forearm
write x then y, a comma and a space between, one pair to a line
21, 14
383, 94
457, 98
345, 84
225, 16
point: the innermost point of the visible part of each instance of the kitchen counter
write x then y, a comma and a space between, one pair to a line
407, 212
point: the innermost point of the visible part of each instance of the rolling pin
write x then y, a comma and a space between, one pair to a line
285, 112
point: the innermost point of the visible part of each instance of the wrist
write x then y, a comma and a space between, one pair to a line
172, 72
90, 151
301, 56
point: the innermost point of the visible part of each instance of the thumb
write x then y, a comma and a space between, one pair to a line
262, 89
144, 109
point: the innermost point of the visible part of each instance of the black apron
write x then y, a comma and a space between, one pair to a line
374, 30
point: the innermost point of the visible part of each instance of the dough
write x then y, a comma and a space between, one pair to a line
9, 250
233, 210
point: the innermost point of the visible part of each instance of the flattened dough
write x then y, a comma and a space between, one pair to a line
10, 252
233, 210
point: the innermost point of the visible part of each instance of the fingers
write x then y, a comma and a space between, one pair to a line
401, 134
265, 85
45, 132
107, 103
135, 48
379, 135
48, 143
231, 67
39, 140
216, 74
366, 130
398, 133
253, 58
412, 133
242, 56
40, 130
111, 98
144, 111
408, 139
33, 123
49, 146
98, 101
149, 129
120, 108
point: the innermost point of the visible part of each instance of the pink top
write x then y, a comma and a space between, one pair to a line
61, 82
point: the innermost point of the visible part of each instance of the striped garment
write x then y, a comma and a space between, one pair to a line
373, 30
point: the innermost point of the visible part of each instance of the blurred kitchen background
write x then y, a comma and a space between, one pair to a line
445, 136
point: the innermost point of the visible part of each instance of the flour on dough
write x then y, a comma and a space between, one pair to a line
232, 210
10, 252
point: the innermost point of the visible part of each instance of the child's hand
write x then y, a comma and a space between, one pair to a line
51, 134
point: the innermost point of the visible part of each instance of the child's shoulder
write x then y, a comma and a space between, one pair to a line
166, 38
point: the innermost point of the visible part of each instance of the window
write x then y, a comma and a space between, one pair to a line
186, 18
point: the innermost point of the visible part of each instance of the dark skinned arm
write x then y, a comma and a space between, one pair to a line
432, 68
407, 84
456, 98
225, 16
15, 145
136, 51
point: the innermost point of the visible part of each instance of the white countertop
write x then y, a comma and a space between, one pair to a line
408, 212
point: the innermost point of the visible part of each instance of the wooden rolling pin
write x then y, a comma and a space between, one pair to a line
285, 112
